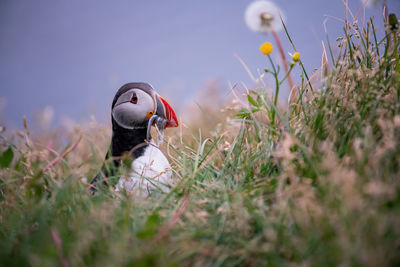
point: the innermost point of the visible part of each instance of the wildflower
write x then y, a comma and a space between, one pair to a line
266, 48
296, 57
263, 16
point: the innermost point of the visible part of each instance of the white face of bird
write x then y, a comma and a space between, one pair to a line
133, 109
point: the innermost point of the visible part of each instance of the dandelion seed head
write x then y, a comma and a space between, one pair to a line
264, 16
370, 3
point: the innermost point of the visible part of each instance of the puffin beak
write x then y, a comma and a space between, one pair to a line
169, 113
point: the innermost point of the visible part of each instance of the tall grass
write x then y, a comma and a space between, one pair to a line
317, 184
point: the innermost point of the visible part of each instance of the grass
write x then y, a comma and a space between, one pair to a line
317, 184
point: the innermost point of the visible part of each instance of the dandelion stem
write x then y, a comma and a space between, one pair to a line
283, 58
276, 89
294, 48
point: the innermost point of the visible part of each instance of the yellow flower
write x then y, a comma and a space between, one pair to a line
266, 48
296, 57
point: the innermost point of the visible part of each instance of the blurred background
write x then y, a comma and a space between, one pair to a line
64, 60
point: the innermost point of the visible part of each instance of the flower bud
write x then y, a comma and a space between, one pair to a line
296, 57
393, 22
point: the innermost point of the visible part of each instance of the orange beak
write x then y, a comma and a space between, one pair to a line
170, 116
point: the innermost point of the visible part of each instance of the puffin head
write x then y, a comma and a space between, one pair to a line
136, 103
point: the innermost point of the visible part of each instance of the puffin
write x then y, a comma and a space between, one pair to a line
136, 108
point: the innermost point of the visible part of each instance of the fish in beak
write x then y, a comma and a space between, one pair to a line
165, 111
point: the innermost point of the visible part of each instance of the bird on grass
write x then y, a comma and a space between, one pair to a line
135, 109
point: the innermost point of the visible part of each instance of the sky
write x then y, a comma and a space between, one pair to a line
74, 55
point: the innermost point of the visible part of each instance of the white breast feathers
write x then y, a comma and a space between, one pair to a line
150, 171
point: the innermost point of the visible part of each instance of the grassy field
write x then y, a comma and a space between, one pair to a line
316, 182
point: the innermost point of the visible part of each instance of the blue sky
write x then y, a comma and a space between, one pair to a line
74, 55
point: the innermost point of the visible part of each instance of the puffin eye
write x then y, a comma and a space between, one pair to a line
134, 98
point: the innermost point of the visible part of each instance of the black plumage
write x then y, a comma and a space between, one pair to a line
124, 140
